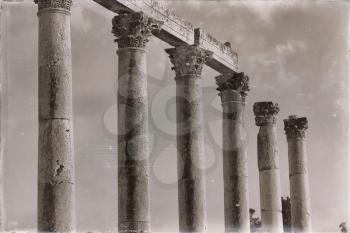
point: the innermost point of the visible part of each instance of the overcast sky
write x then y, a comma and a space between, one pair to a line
295, 53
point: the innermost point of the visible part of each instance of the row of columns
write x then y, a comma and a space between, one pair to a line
56, 157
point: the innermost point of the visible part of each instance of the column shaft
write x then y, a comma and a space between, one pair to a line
56, 154
298, 174
268, 163
132, 32
191, 184
133, 172
235, 171
188, 62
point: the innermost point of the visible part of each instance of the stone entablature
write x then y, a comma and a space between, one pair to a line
134, 29
233, 81
188, 60
295, 127
265, 113
177, 31
64, 4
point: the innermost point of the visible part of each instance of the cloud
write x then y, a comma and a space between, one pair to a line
290, 47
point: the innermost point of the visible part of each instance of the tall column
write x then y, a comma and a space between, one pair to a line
132, 32
233, 90
188, 62
298, 174
268, 163
56, 155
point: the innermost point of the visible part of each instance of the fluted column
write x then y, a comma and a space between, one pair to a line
132, 32
233, 90
268, 163
298, 174
56, 154
188, 62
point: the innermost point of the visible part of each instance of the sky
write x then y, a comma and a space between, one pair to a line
295, 53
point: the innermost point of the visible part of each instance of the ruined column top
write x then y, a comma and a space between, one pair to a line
233, 81
188, 60
134, 29
295, 127
63, 4
265, 113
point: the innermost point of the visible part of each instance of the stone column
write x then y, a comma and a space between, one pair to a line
268, 163
56, 203
233, 90
298, 174
132, 32
188, 61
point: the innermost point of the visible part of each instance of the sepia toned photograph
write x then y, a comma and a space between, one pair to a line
165, 116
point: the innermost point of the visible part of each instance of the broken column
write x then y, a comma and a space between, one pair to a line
298, 174
188, 61
132, 33
233, 90
56, 154
268, 163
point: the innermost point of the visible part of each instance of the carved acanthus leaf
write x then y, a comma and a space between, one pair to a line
134, 29
233, 81
265, 113
188, 60
295, 127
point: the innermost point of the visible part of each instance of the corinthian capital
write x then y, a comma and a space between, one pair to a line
265, 113
295, 127
134, 29
64, 4
233, 81
188, 59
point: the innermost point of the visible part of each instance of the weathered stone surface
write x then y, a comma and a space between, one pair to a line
188, 62
55, 176
268, 163
133, 31
233, 88
55, 84
176, 31
56, 204
133, 174
298, 174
